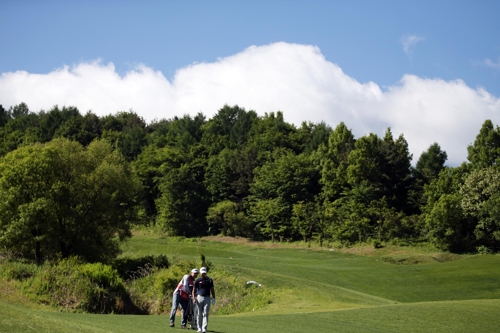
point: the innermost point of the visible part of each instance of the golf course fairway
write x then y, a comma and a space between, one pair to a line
316, 290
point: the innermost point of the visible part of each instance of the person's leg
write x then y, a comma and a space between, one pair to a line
183, 304
206, 310
199, 309
195, 315
175, 304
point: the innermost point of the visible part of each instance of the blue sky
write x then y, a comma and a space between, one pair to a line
427, 69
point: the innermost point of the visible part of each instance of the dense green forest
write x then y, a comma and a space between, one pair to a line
73, 184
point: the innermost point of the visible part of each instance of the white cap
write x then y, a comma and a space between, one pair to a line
194, 270
203, 270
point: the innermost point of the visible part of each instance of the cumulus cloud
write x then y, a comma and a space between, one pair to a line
409, 42
295, 79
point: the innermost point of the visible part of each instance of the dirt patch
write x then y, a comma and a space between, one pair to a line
228, 239
245, 241
420, 259
393, 254
360, 250
445, 257
248, 242
408, 260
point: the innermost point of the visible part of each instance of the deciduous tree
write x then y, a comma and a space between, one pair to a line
60, 199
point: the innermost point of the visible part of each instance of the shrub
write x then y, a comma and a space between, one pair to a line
153, 293
377, 244
103, 276
127, 267
74, 286
205, 263
235, 296
14, 270
483, 250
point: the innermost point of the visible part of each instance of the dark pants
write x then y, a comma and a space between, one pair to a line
176, 300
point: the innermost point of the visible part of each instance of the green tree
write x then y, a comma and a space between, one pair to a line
334, 162
384, 166
229, 175
395, 170
183, 205
271, 132
448, 228
269, 214
430, 163
19, 110
229, 128
81, 129
17, 132
127, 132
449, 181
173, 150
446, 225
225, 217
49, 122
480, 196
5, 116
186, 132
363, 171
60, 199
350, 222
314, 135
150, 166
289, 178
305, 219
485, 151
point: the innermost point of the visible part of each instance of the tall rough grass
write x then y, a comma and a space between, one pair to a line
71, 285
140, 285
74, 286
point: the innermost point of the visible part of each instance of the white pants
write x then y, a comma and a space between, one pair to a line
203, 305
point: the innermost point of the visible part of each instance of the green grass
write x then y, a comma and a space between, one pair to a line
471, 277
453, 316
315, 290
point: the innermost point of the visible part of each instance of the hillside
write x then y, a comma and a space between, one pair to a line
314, 290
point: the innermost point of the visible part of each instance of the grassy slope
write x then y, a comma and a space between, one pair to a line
474, 277
452, 316
317, 291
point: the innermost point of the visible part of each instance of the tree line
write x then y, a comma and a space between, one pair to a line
73, 184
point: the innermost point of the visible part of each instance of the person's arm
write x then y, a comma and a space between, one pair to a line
178, 284
194, 292
212, 291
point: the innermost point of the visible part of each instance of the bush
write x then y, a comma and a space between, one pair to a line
153, 293
483, 250
74, 286
128, 267
235, 296
17, 271
399, 242
103, 276
205, 263
376, 244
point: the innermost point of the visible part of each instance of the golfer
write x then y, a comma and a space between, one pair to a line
203, 287
181, 296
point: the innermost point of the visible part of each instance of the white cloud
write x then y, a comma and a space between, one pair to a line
492, 64
295, 79
409, 42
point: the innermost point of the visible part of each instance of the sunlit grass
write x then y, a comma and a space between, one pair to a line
313, 289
